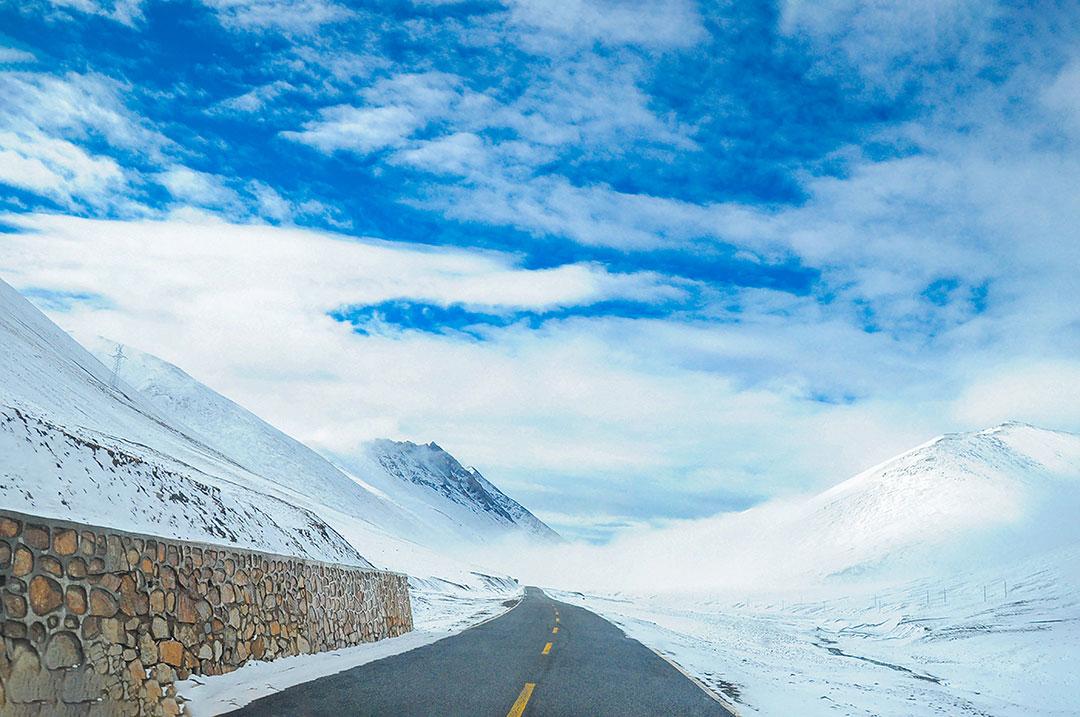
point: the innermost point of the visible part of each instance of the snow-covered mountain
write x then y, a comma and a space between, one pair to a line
153, 450
942, 581
75, 445
233, 431
464, 490
1011, 489
959, 502
419, 493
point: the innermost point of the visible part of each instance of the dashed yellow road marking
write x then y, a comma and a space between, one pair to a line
554, 631
547, 649
522, 700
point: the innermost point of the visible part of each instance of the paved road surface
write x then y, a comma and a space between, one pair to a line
541, 659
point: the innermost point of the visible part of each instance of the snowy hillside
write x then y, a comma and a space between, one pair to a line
960, 500
945, 578
466, 495
74, 446
419, 493
298, 473
1011, 490
999, 642
158, 452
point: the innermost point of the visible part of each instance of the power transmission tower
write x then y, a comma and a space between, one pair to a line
118, 358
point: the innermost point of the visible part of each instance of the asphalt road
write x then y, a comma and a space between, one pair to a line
542, 658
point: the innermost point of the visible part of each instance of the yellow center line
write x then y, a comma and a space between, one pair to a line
547, 649
554, 631
522, 700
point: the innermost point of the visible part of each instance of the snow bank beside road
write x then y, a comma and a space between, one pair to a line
926, 648
439, 611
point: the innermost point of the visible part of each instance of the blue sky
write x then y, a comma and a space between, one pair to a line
639, 262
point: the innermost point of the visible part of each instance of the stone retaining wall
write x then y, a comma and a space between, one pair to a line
96, 621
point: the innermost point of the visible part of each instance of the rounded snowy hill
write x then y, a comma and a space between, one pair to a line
1011, 489
962, 501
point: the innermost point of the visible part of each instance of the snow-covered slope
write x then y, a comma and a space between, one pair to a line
960, 501
75, 446
943, 581
1009, 489
418, 493
298, 473
179, 460
433, 476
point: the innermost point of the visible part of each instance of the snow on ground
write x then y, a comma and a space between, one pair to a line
1001, 643
942, 582
440, 610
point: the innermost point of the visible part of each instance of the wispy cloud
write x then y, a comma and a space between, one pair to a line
290, 16
255, 99
59, 170
578, 23
15, 56
396, 108
125, 12
55, 137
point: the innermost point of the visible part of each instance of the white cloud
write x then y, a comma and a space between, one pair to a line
255, 99
200, 188
44, 122
722, 406
59, 170
575, 23
889, 44
359, 129
395, 108
76, 106
126, 12
595, 103
461, 153
233, 200
271, 204
1045, 393
1062, 96
289, 16
14, 56
330, 270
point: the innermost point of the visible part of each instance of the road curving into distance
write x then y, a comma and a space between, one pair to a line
543, 658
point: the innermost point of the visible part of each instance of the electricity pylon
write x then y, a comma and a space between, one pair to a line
118, 358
